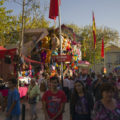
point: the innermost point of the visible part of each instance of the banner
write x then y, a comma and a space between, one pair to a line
102, 49
31, 61
54, 9
94, 31
10, 52
62, 58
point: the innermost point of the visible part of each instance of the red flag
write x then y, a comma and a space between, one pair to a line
54, 9
94, 31
74, 36
102, 49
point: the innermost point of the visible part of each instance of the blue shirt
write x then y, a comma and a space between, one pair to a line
13, 96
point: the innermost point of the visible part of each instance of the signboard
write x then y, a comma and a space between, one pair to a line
62, 58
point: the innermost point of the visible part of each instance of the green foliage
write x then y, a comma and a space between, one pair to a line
10, 26
75, 28
6, 24
36, 23
88, 42
34, 16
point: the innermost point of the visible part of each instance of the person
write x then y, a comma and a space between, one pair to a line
53, 101
96, 87
43, 84
81, 103
83, 77
13, 103
66, 86
111, 78
40, 79
118, 87
33, 98
71, 86
1, 100
93, 76
107, 108
89, 83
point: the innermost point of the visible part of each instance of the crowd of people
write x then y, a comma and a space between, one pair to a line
93, 97
90, 96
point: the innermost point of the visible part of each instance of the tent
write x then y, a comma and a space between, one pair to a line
4, 51
2, 48
6, 69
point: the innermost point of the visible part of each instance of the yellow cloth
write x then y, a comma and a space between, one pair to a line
48, 56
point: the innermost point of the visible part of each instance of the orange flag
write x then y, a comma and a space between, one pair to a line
54, 9
102, 49
94, 31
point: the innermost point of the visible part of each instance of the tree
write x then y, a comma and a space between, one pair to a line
10, 26
33, 18
88, 42
75, 28
6, 24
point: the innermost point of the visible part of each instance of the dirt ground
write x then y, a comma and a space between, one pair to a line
66, 115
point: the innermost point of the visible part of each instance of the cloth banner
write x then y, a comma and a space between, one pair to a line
102, 49
54, 10
10, 52
31, 61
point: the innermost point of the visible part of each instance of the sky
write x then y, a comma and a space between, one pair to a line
79, 12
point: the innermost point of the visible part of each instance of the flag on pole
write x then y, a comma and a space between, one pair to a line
84, 48
54, 9
102, 49
94, 31
74, 36
84, 54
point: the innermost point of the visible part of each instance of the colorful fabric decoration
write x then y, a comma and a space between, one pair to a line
26, 73
72, 64
48, 56
45, 42
68, 48
23, 73
43, 56
76, 68
54, 53
64, 67
53, 73
30, 70
55, 42
75, 58
57, 65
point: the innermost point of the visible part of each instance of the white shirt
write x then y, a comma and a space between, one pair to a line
66, 83
72, 82
83, 78
40, 81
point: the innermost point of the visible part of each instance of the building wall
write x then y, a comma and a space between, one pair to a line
112, 59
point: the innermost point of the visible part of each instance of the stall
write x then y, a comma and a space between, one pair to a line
7, 66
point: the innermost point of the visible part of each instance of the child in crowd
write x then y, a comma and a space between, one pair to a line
13, 104
54, 101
